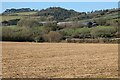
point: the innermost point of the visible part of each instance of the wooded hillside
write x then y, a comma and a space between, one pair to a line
56, 24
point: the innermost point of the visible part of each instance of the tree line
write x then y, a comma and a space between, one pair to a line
32, 30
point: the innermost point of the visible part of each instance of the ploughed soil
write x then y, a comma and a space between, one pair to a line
59, 60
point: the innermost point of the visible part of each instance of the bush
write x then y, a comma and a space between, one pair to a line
83, 32
67, 32
103, 32
53, 36
23, 35
77, 32
16, 34
101, 21
28, 22
37, 33
38, 39
52, 26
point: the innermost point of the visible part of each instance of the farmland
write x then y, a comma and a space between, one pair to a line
29, 59
3, 18
15, 16
23, 13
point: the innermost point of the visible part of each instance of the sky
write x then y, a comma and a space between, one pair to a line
77, 6
59, 0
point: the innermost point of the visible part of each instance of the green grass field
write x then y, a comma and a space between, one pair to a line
3, 18
25, 13
15, 16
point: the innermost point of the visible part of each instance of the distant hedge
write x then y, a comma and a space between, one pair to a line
100, 40
47, 34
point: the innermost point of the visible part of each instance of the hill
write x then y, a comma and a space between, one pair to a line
62, 14
12, 11
55, 24
58, 13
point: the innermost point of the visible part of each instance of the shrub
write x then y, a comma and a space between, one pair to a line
53, 36
51, 25
76, 32
38, 39
28, 22
16, 34
101, 21
82, 32
67, 32
103, 32
23, 35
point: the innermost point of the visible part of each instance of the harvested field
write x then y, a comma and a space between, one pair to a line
66, 60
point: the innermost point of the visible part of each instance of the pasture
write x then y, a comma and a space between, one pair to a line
25, 13
6, 18
59, 60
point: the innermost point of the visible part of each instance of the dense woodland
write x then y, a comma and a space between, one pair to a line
57, 24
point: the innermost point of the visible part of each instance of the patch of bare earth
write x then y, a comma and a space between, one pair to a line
63, 60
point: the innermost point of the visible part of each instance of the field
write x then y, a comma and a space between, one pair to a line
6, 18
9, 17
64, 60
25, 13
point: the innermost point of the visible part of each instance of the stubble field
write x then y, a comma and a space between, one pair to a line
59, 60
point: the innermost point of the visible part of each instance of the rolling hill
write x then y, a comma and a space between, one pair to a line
60, 14
46, 23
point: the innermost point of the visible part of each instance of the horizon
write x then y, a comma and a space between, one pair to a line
78, 6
